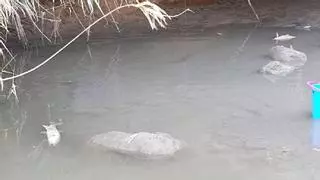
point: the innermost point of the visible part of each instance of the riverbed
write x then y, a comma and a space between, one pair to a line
201, 87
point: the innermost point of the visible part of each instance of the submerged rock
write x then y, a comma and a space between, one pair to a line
277, 68
142, 144
285, 61
288, 56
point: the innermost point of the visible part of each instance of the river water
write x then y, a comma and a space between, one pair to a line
200, 87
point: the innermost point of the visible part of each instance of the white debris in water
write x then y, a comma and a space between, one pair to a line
277, 68
305, 28
288, 56
142, 144
53, 135
316, 149
286, 37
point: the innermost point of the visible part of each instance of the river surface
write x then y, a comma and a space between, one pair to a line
201, 87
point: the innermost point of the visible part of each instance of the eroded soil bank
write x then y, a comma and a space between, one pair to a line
207, 14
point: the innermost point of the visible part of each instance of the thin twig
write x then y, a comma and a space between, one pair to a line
253, 10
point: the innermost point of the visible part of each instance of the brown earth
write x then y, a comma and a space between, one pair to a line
207, 14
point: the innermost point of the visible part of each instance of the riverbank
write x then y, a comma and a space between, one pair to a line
131, 22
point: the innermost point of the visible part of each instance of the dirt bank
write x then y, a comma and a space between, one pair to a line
207, 14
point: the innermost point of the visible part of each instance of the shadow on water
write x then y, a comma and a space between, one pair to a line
202, 89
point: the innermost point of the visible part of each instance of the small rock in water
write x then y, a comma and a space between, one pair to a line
277, 68
288, 56
142, 144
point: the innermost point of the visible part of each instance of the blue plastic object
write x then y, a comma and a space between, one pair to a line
315, 86
316, 102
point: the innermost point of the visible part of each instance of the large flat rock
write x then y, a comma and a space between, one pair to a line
142, 144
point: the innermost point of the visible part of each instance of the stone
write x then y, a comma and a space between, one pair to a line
142, 144
288, 56
277, 68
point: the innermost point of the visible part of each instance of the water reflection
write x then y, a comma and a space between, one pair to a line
316, 135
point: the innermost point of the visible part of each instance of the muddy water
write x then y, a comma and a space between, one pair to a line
201, 88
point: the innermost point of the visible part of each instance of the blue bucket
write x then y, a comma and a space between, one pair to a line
315, 86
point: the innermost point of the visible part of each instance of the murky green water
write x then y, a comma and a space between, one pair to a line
200, 88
